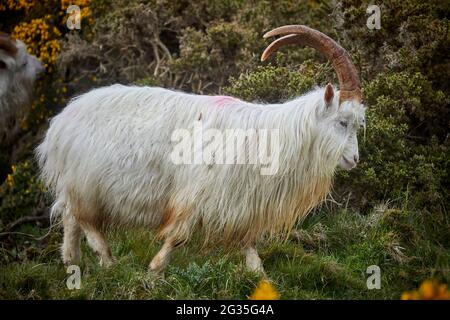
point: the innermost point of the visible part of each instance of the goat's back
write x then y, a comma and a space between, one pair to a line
109, 149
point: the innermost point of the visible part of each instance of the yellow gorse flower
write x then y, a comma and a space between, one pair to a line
10, 180
41, 39
17, 5
265, 291
42, 35
428, 290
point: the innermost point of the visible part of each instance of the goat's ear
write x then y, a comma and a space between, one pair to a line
329, 94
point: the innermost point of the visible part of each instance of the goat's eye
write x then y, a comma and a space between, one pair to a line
343, 123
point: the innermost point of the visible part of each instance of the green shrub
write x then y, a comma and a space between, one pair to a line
424, 107
396, 163
21, 193
274, 84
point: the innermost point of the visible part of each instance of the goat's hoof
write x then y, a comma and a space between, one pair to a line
256, 269
150, 280
106, 262
156, 274
70, 262
70, 259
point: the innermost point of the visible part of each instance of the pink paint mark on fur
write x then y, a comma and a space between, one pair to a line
222, 101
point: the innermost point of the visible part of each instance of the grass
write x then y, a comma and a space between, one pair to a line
326, 259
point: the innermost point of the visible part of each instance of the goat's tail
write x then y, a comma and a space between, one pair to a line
49, 176
58, 208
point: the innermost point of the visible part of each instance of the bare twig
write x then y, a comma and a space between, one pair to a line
25, 219
4, 234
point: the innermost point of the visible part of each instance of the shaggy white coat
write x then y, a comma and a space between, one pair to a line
106, 157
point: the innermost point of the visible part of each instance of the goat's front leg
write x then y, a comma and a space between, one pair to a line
252, 259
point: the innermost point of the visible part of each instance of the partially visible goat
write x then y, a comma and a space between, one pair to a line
18, 72
107, 159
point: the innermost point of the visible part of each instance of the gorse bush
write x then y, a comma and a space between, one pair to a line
274, 84
40, 25
21, 193
425, 108
194, 46
411, 49
396, 160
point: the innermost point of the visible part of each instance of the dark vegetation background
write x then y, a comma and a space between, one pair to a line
391, 211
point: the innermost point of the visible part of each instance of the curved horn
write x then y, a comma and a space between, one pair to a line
350, 86
7, 44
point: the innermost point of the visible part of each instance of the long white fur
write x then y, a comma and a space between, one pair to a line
109, 150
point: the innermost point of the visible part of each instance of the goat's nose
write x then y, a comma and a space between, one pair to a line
356, 158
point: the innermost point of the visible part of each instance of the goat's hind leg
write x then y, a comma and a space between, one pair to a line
70, 249
98, 243
87, 217
173, 239
162, 258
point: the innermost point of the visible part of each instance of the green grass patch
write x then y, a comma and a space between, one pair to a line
326, 259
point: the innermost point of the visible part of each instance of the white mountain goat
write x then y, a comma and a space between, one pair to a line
107, 159
18, 72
